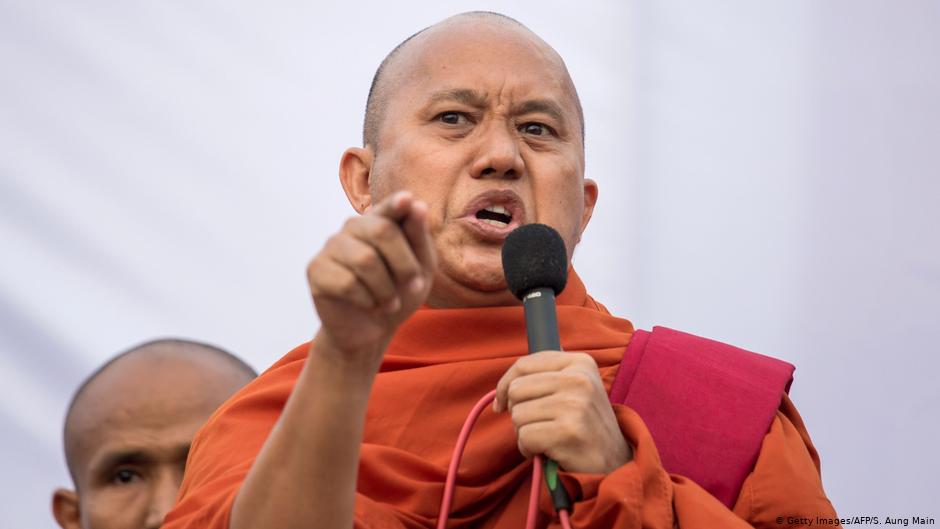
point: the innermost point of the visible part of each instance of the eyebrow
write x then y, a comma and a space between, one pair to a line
543, 106
461, 95
477, 99
135, 457
122, 457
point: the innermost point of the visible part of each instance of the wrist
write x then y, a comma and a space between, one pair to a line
620, 456
334, 355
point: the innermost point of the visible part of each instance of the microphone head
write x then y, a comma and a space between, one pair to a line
534, 256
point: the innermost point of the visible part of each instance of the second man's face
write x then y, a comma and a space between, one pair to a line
134, 475
132, 433
484, 128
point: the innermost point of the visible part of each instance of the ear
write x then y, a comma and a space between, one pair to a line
590, 199
65, 508
355, 171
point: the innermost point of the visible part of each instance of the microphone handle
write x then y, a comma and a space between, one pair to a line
541, 327
541, 322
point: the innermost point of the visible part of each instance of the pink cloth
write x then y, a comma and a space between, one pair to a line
708, 405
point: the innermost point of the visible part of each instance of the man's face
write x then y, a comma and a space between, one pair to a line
482, 124
132, 437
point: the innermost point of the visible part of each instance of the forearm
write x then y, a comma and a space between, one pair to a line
305, 474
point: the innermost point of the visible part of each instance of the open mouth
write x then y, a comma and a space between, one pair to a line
495, 215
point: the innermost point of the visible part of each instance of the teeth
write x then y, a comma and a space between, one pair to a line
498, 209
496, 223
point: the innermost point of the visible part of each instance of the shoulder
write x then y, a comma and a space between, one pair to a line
707, 404
234, 434
685, 363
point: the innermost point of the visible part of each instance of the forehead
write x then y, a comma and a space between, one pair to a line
153, 434
147, 404
503, 61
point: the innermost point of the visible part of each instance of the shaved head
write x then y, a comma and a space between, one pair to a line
470, 108
129, 427
139, 373
389, 75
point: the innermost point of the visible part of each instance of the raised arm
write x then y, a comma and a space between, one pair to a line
365, 282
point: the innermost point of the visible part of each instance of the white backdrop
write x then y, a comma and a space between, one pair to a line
769, 176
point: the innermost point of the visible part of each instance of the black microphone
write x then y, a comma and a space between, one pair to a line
535, 263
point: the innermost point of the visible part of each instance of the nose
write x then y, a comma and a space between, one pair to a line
498, 154
162, 498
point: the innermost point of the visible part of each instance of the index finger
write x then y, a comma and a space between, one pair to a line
395, 207
416, 230
527, 365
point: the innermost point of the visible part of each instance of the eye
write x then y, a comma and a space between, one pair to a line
535, 129
125, 476
451, 118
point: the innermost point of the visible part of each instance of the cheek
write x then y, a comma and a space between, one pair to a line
115, 508
570, 213
427, 170
431, 175
559, 198
562, 206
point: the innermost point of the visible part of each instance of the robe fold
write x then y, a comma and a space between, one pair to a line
439, 364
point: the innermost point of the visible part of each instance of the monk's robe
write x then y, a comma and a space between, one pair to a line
439, 364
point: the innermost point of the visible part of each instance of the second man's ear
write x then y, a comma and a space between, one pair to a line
355, 170
65, 509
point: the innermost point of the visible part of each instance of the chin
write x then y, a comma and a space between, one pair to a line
479, 275
472, 279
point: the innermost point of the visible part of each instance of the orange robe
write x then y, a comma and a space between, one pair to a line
439, 364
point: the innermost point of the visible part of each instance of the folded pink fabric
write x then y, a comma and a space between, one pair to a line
707, 404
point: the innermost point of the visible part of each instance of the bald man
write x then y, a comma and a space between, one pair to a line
129, 427
473, 128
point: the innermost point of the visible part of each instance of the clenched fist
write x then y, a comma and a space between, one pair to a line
370, 277
560, 408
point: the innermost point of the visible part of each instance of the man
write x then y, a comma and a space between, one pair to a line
129, 427
473, 127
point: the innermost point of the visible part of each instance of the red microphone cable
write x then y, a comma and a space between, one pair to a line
451, 480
